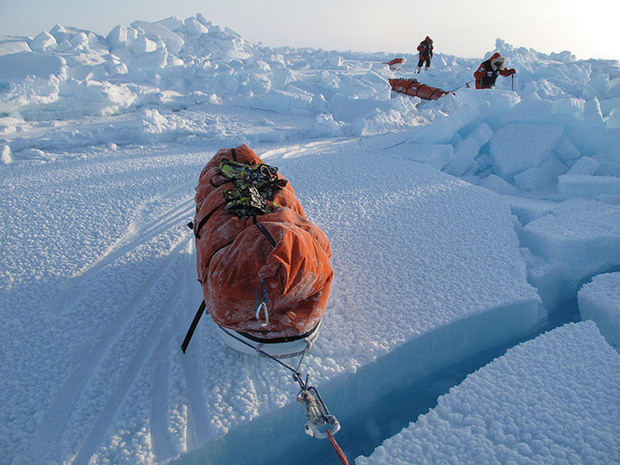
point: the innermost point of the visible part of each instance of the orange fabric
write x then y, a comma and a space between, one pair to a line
416, 89
233, 255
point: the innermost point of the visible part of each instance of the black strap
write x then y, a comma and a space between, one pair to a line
273, 243
192, 328
205, 219
269, 237
213, 254
413, 81
211, 257
278, 340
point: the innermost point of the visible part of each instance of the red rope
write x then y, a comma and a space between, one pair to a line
337, 448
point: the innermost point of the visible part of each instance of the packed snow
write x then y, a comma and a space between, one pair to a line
550, 400
459, 228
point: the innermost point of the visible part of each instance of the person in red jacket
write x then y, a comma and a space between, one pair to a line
425, 53
486, 74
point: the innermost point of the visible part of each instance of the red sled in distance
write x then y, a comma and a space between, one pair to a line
416, 89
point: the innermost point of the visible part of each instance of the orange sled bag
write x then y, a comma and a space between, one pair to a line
265, 271
416, 89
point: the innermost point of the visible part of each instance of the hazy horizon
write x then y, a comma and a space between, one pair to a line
467, 30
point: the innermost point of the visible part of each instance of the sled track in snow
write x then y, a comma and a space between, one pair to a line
293, 151
74, 391
163, 446
147, 346
198, 425
135, 236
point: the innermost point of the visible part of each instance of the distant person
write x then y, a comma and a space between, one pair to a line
486, 75
425, 53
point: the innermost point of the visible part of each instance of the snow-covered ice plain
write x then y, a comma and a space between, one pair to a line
473, 238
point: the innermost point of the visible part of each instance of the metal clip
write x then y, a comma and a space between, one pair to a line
318, 418
262, 306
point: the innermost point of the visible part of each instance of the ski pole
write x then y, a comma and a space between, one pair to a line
513, 82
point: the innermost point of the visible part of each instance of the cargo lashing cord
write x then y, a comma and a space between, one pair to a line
316, 412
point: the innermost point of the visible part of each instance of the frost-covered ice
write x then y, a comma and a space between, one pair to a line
514, 148
456, 226
589, 187
550, 400
578, 239
599, 301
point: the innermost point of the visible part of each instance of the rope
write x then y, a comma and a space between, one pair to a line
466, 84
304, 385
337, 448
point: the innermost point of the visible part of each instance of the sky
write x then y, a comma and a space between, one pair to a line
466, 29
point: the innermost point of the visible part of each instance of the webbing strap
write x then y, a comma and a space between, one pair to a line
205, 219
269, 237
279, 340
337, 448
192, 328
411, 82
211, 257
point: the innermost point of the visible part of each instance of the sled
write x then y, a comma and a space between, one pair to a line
416, 89
264, 269
263, 266
279, 347
396, 64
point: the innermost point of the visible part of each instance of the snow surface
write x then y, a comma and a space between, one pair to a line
550, 400
457, 227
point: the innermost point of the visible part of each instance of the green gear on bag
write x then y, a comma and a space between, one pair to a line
255, 187
245, 202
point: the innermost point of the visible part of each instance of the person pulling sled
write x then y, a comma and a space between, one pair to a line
487, 72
